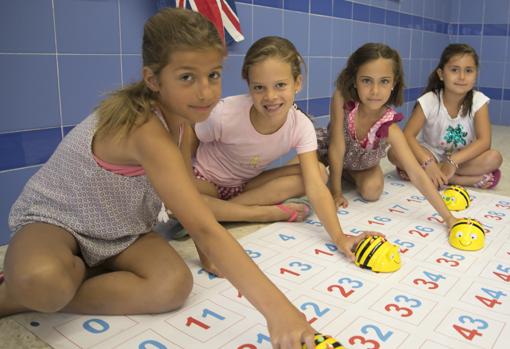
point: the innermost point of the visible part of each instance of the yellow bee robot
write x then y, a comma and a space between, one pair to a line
456, 198
467, 234
325, 342
377, 254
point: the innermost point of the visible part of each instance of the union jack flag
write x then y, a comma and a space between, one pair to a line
222, 13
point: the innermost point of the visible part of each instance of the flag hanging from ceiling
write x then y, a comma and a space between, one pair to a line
222, 13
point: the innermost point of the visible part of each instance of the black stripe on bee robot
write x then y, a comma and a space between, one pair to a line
369, 257
470, 222
461, 191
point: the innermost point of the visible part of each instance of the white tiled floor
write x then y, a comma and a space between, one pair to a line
12, 335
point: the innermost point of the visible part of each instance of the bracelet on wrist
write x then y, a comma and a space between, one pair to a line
452, 162
427, 162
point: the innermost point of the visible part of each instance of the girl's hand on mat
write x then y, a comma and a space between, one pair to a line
288, 329
347, 243
434, 172
340, 200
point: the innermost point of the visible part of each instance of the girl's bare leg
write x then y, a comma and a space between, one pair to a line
466, 180
276, 185
369, 182
471, 172
43, 273
272, 192
250, 210
230, 211
147, 277
484, 163
42, 270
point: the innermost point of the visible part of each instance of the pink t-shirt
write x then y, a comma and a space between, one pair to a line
231, 151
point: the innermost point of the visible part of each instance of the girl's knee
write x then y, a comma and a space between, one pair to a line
371, 191
494, 158
43, 287
171, 290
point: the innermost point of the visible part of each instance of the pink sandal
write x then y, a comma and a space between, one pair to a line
489, 180
293, 213
2, 277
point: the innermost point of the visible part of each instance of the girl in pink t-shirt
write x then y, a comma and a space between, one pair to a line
244, 134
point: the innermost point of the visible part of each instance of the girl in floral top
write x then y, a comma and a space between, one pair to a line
363, 125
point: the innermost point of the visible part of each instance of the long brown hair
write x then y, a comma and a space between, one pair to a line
167, 31
272, 46
345, 82
435, 84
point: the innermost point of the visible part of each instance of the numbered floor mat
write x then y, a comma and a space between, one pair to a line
440, 298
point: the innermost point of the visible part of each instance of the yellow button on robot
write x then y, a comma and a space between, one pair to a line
467, 234
325, 342
377, 254
456, 198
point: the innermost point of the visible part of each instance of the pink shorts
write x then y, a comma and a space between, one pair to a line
224, 193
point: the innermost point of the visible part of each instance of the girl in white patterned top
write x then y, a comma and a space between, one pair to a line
449, 130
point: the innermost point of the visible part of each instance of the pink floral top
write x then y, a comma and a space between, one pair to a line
360, 154
377, 131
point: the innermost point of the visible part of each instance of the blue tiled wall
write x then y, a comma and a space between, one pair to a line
60, 56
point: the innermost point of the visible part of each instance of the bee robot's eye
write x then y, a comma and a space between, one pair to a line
474, 236
459, 234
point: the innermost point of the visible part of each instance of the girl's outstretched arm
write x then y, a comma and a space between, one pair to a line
336, 149
151, 147
323, 204
418, 177
411, 130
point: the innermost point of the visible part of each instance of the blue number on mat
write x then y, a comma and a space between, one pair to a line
456, 256
286, 237
313, 222
382, 219
301, 266
424, 229
211, 275
404, 243
483, 323
332, 247
416, 302
91, 326
253, 254
152, 343
357, 283
212, 313
494, 294
262, 337
433, 277
378, 332
315, 308
356, 231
